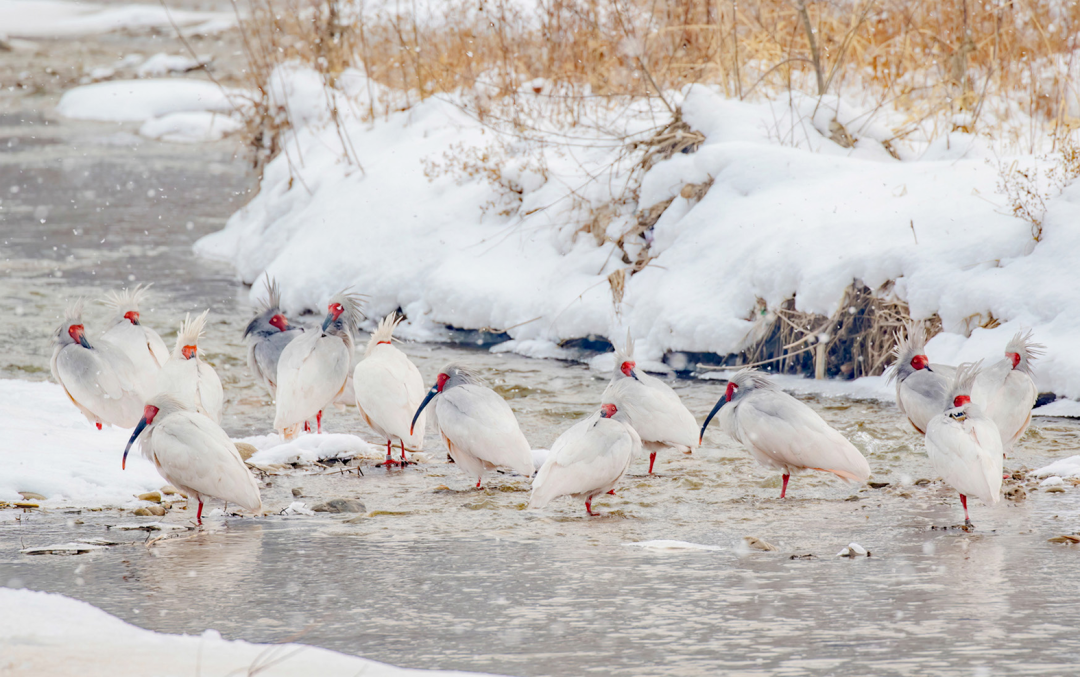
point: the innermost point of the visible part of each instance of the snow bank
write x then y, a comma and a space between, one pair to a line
48, 634
790, 213
1063, 467
308, 448
137, 100
193, 127
162, 64
58, 18
49, 448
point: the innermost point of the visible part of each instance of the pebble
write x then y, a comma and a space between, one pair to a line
150, 511
152, 496
1065, 538
168, 490
1055, 490
25, 504
1015, 494
31, 496
246, 450
297, 492
340, 505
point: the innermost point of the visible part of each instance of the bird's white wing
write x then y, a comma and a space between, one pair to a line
479, 422
156, 346
922, 396
588, 458
655, 411
792, 434
1006, 397
192, 451
967, 455
180, 379
211, 394
311, 372
94, 385
389, 389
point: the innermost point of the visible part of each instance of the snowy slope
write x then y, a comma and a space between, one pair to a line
49, 634
55, 18
790, 213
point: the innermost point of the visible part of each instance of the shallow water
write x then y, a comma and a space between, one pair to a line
436, 574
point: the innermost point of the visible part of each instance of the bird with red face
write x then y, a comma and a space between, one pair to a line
1006, 391
193, 454
266, 336
964, 445
98, 377
314, 367
921, 388
783, 433
652, 406
187, 377
139, 342
588, 460
477, 425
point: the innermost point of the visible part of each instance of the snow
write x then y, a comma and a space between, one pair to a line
138, 100
45, 634
59, 18
162, 64
193, 127
1063, 467
49, 448
790, 214
307, 448
672, 545
1064, 408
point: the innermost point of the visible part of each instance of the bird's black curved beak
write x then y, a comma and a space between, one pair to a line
83, 342
633, 374
134, 435
328, 321
430, 394
723, 400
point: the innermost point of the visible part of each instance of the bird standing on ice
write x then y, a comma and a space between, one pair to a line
388, 389
1006, 392
478, 426
781, 432
921, 388
587, 460
187, 378
194, 454
99, 378
140, 343
266, 337
964, 445
652, 407
314, 367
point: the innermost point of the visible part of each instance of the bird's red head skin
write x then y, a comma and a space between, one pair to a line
960, 400
441, 381
627, 367
149, 413
920, 362
730, 391
189, 352
336, 309
75, 331
608, 410
280, 322
1015, 357
132, 316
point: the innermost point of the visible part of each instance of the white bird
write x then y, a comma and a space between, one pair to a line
964, 445
653, 408
140, 343
478, 426
194, 455
266, 337
1006, 392
187, 378
99, 378
921, 388
314, 367
587, 460
781, 432
388, 389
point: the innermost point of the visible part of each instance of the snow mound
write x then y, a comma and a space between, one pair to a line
137, 100
1063, 467
1063, 408
672, 545
162, 64
57, 18
307, 449
49, 448
193, 127
46, 634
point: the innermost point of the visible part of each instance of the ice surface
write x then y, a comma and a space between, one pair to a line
136, 100
192, 127
49, 634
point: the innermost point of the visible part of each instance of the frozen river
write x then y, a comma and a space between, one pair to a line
435, 574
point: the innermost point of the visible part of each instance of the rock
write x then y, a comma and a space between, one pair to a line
340, 505
1070, 539
152, 496
297, 492
143, 512
25, 505
31, 496
758, 544
246, 450
150, 511
1015, 493
1054, 490
922, 482
853, 550
877, 485
168, 490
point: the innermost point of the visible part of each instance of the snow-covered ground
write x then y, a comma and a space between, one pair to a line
58, 18
48, 634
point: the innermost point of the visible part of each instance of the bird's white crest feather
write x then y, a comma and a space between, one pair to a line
74, 312
963, 380
384, 332
126, 299
625, 353
909, 344
191, 330
273, 294
1026, 348
352, 303
752, 378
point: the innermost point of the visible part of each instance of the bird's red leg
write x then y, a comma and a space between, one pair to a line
783, 491
318, 421
588, 506
98, 424
389, 457
612, 492
652, 459
403, 459
478, 482
198, 514
307, 427
963, 500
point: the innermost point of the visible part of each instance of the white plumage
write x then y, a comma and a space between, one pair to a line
194, 454
964, 445
1005, 391
140, 343
654, 409
477, 425
588, 460
921, 387
314, 367
100, 380
783, 433
189, 379
388, 389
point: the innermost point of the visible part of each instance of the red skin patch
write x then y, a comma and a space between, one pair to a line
441, 381
960, 400
75, 331
132, 316
280, 322
149, 413
920, 362
1015, 357
730, 391
336, 309
608, 410
628, 368
189, 352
